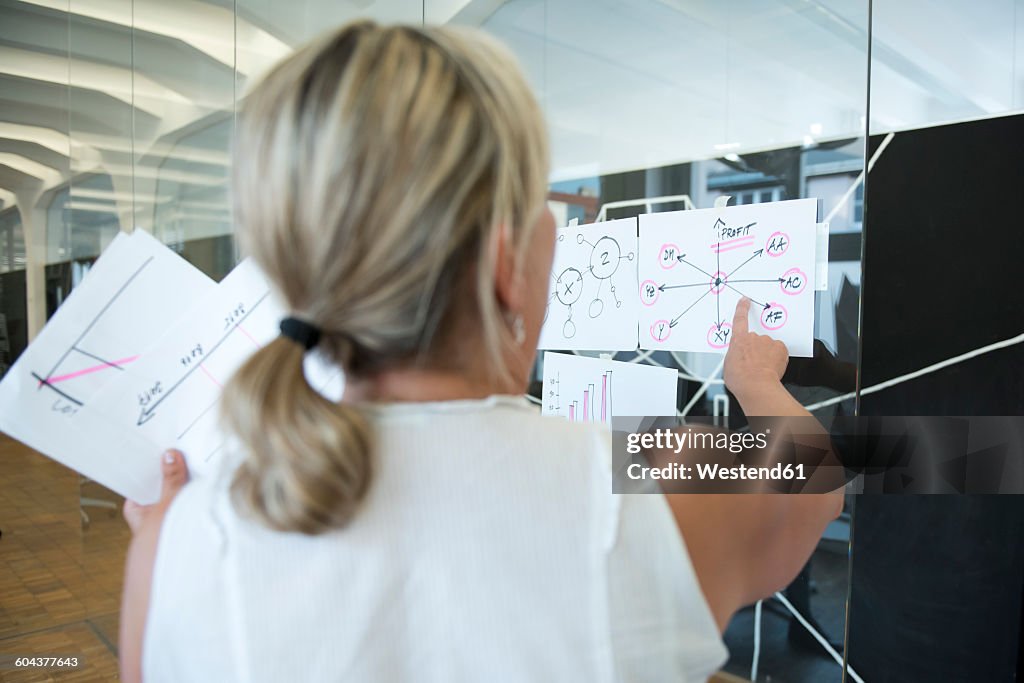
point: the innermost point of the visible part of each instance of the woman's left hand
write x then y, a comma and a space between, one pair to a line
175, 475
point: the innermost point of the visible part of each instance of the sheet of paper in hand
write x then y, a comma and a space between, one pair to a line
134, 291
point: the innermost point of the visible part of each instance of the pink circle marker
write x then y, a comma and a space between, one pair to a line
717, 282
774, 317
668, 256
793, 282
660, 330
718, 337
649, 292
777, 244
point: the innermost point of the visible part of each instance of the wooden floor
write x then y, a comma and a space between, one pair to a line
60, 577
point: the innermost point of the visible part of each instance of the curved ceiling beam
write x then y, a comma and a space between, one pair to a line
208, 28
120, 83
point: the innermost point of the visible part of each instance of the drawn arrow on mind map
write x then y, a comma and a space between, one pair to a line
757, 253
675, 320
662, 288
752, 299
682, 259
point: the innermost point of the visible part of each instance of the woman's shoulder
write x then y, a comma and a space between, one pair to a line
498, 420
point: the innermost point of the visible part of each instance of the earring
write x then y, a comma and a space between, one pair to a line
519, 329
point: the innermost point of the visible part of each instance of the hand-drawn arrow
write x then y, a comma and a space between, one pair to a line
718, 282
681, 258
675, 320
757, 253
752, 300
662, 288
149, 411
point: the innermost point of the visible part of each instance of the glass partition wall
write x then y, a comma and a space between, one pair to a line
936, 589
118, 115
683, 103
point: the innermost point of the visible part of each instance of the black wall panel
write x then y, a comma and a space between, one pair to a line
937, 580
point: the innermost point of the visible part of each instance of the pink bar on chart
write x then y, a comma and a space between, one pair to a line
604, 398
586, 405
572, 413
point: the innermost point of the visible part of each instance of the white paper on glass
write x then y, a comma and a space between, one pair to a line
591, 301
595, 390
694, 266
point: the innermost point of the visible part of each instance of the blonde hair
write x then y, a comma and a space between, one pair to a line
374, 170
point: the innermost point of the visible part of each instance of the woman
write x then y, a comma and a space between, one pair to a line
391, 183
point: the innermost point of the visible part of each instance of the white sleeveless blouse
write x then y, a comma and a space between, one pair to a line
489, 548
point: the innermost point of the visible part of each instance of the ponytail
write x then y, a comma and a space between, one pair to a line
308, 459
372, 171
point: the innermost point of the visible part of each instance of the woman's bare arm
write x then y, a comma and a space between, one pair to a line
744, 547
145, 522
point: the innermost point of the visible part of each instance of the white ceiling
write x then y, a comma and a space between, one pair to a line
625, 84
648, 82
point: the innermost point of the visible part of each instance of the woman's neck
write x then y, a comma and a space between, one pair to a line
421, 385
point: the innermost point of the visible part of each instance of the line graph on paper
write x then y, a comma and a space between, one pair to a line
48, 398
106, 323
198, 358
171, 396
77, 365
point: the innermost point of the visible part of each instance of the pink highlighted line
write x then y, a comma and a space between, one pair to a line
732, 244
725, 243
90, 370
212, 378
251, 338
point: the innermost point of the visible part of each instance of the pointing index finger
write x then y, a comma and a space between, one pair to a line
740, 325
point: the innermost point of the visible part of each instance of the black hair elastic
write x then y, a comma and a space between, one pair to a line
300, 332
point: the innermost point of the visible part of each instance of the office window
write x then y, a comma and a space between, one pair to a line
758, 196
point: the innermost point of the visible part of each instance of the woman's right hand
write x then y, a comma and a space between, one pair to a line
754, 362
174, 473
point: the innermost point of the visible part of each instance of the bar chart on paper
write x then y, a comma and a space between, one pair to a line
594, 390
594, 406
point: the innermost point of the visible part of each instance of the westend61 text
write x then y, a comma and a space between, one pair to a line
680, 472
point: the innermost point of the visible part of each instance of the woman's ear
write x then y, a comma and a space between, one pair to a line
508, 276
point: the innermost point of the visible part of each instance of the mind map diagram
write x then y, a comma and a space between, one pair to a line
590, 304
696, 265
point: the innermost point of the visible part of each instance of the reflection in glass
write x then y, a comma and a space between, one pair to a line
649, 100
